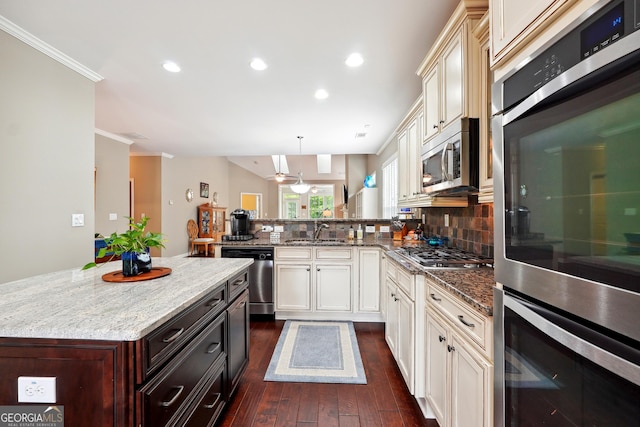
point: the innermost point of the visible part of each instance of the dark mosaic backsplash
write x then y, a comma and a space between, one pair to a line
470, 228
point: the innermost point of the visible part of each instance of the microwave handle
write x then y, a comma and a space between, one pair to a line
446, 176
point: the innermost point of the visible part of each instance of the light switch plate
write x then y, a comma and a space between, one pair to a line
370, 229
384, 228
278, 228
113, 216
77, 220
37, 389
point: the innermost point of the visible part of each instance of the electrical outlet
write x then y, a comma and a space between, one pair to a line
384, 228
113, 216
37, 389
278, 228
446, 220
267, 228
77, 220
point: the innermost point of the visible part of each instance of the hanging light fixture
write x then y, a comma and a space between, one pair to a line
300, 187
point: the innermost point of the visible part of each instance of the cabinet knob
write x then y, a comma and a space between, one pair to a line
441, 338
318, 269
309, 269
450, 348
435, 126
441, 121
395, 299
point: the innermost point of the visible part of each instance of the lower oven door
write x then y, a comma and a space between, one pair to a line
553, 371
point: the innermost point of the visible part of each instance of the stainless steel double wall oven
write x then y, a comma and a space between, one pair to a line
567, 207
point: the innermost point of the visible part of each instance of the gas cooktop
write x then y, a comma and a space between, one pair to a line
444, 257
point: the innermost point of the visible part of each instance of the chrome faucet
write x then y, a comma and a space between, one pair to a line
318, 229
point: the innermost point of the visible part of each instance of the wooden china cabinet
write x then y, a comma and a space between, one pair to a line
211, 221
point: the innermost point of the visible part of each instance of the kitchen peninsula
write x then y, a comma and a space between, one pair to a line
141, 353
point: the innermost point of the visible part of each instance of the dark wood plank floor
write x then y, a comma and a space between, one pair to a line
383, 401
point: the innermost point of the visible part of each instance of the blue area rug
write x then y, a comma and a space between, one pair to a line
317, 352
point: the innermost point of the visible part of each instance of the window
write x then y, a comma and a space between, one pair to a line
316, 205
390, 188
321, 203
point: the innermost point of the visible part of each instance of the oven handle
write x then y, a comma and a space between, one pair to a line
598, 355
625, 46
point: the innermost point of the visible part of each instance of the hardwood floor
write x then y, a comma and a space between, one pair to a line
383, 401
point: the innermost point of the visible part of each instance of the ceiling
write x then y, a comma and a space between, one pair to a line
217, 105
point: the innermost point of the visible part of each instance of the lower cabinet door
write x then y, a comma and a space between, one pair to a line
293, 287
436, 369
406, 331
238, 347
333, 287
470, 387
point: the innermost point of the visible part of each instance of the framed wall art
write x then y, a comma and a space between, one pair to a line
204, 190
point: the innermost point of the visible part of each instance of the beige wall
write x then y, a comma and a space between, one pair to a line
179, 174
46, 166
112, 185
244, 181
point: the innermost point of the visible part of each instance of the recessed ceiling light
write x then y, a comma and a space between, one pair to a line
171, 67
321, 94
258, 64
354, 60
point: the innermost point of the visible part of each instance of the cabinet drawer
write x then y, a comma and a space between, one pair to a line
406, 283
392, 271
333, 253
163, 397
294, 253
210, 401
168, 339
471, 323
238, 283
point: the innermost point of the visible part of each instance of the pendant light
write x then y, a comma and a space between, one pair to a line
300, 187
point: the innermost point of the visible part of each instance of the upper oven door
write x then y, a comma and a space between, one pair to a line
567, 182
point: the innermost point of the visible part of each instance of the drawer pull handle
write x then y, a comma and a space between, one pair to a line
433, 297
450, 348
174, 336
441, 338
178, 392
215, 402
213, 347
214, 302
238, 282
465, 323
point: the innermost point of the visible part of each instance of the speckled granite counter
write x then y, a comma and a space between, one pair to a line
78, 304
473, 285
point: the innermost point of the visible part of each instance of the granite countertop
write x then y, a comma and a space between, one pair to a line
473, 285
77, 304
369, 241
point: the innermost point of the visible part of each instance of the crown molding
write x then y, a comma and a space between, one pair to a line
28, 38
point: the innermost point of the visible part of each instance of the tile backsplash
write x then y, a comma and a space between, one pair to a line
470, 228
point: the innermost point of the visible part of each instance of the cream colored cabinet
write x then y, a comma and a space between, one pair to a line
486, 139
458, 370
293, 290
450, 71
333, 287
409, 169
400, 321
514, 23
369, 273
367, 203
319, 282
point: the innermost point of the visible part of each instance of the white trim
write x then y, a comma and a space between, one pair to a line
150, 154
28, 38
113, 136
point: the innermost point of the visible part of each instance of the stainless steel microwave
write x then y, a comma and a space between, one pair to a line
450, 161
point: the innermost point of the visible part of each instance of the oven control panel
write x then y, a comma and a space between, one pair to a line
614, 21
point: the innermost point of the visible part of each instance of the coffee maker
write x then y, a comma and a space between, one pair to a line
240, 226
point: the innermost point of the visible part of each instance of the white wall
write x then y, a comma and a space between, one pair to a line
46, 166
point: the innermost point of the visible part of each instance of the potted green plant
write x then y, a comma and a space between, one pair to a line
132, 246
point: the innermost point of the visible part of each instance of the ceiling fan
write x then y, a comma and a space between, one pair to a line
281, 174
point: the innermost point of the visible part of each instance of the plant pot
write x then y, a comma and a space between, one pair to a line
134, 263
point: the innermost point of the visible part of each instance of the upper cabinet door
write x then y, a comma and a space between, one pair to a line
452, 81
516, 22
431, 103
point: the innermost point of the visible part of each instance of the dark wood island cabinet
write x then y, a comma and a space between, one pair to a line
192, 348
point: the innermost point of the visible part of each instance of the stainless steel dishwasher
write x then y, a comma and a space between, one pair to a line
260, 276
